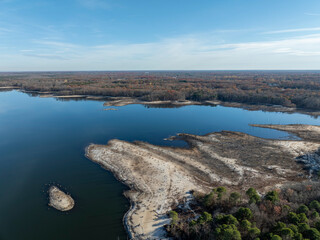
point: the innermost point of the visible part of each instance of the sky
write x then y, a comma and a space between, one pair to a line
82, 35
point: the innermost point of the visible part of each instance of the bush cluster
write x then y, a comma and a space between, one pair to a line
225, 215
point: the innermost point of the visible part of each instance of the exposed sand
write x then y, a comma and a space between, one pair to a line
9, 87
66, 97
48, 95
267, 108
161, 176
60, 200
124, 101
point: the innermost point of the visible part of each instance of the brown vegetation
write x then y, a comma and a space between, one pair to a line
289, 89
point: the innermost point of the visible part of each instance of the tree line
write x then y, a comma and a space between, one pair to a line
290, 214
288, 89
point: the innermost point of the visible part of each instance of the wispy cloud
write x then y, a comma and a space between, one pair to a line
308, 45
294, 30
5, 29
46, 56
312, 14
56, 44
185, 53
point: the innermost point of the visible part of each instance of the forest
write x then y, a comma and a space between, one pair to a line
291, 213
299, 89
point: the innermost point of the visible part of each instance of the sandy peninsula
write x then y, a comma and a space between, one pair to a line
124, 101
160, 176
60, 200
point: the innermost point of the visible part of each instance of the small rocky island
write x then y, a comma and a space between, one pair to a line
60, 200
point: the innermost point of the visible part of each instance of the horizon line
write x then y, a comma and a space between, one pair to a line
163, 70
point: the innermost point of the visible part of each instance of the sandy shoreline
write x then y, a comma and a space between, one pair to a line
158, 177
124, 101
119, 102
9, 87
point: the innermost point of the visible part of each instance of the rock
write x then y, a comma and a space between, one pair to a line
60, 200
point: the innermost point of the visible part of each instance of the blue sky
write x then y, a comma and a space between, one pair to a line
42, 35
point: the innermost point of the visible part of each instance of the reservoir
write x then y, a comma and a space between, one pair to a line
43, 140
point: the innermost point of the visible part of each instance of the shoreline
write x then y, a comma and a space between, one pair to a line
124, 101
158, 177
132, 203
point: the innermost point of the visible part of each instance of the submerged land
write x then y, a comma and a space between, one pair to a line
161, 177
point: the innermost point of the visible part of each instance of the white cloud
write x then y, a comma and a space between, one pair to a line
184, 53
46, 56
294, 30
56, 44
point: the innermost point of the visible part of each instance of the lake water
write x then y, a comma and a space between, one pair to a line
42, 142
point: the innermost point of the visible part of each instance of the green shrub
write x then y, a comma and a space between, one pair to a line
174, 217
245, 225
226, 219
314, 215
298, 236
317, 225
287, 233
243, 214
303, 209
254, 232
234, 198
207, 217
315, 205
272, 196
278, 227
302, 227
253, 195
204, 218
293, 218
208, 200
276, 237
302, 218
294, 228
192, 223
221, 191
312, 234
227, 232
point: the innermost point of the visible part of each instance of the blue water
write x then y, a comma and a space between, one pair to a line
42, 142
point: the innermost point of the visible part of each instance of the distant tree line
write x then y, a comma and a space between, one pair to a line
289, 89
